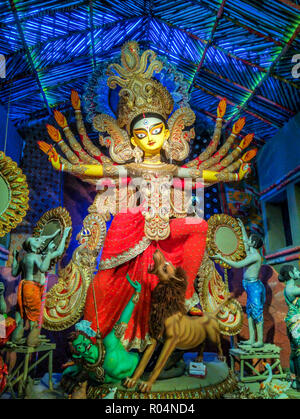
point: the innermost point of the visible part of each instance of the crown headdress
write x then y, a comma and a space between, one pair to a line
139, 93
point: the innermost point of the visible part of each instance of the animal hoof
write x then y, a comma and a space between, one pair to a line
145, 387
129, 383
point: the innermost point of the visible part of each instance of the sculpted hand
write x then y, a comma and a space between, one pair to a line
217, 256
136, 285
67, 231
53, 157
221, 108
246, 141
238, 125
244, 171
52, 247
240, 223
75, 100
249, 155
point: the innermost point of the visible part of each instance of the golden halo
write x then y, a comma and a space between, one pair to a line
14, 194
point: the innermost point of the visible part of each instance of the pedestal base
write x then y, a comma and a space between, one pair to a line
253, 359
24, 367
218, 381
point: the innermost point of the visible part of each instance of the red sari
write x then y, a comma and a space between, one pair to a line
184, 247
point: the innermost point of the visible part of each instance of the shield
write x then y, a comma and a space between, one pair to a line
225, 237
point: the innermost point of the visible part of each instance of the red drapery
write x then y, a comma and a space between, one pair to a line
184, 247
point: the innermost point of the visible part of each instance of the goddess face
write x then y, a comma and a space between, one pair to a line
149, 134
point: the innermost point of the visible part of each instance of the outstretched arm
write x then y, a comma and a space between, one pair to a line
80, 169
240, 264
114, 336
212, 176
213, 145
127, 312
220, 165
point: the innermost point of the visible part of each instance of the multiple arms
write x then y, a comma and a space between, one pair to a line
89, 163
85, 162
221, 166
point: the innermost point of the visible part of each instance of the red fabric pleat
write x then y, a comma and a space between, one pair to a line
184, 247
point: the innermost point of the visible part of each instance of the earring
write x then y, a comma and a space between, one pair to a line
137, 154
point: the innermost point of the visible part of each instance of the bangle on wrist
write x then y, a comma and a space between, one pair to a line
136, 297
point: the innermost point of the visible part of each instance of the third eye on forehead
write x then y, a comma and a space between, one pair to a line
147, 123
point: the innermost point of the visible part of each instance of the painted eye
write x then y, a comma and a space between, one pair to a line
157, 131
141, 135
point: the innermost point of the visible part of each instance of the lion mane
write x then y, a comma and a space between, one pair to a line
168, 298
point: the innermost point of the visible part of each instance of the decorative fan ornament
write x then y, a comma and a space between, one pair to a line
225, 237
14, 194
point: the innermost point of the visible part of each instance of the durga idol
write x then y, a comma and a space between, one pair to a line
147, 141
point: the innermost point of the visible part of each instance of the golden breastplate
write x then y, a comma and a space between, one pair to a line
157, 197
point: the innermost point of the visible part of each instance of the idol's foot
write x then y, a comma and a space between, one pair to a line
258, 344
43, 338
249, 342
33, 339
18, 333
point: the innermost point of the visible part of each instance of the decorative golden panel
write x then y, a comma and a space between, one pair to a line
225, 237
66, 300
14, 195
